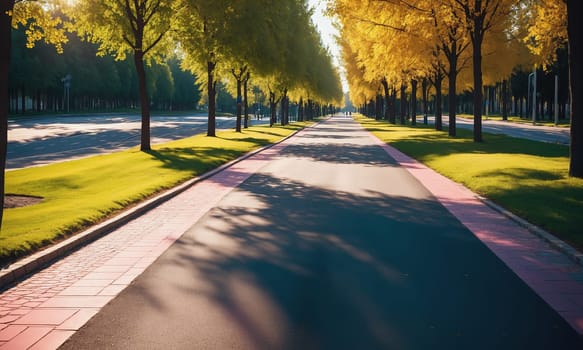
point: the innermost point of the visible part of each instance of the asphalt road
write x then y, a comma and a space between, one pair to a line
540, 133
42, 140
330, 246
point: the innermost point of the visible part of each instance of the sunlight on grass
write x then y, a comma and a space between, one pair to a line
528, 178
83, 192
563, 123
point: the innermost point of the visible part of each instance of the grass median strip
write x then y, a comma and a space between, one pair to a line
80, 193
528, 178
563, 123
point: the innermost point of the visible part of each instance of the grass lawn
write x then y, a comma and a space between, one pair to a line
83, 192
528, 178
516, 119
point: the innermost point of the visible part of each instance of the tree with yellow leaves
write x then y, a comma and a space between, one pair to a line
550, 26
480, 18
546, 29
445, 28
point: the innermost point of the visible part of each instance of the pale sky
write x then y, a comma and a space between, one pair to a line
328, 33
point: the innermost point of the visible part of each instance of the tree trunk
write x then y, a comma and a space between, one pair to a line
212, 92
403, 104
5, 45
144, 100
379, 107
575, 30
286, 109
413, 102
387, 98
245, 98
239, 105
272, 109
282, 115
301, 110
424, 87
393, 112
504, 99
478, 91
438, 108
452, 80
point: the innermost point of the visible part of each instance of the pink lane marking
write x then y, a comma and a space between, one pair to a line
79, 319
76, 302
46, 317
112, 290
544, 269
81, 291
27, 338
10, 332
52, 340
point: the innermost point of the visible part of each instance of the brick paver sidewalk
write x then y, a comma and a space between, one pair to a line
44, 310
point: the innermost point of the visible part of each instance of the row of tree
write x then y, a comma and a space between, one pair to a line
272, 42
37, 80
458, 47
511, 96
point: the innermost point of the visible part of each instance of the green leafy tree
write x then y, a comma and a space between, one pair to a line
186, 91
201, 25
248, 44
127, 26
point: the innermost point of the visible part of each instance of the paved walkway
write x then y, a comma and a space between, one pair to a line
44, 310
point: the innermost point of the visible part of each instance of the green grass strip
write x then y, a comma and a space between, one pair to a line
80, 193
528, 178
516, 119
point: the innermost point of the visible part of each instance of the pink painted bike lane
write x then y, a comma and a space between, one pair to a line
551, 274
45, 309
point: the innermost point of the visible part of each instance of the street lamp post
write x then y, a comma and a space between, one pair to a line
533, 74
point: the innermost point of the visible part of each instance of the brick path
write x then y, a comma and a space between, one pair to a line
44, 310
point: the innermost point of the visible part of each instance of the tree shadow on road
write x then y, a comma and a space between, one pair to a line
306, 267
341, 154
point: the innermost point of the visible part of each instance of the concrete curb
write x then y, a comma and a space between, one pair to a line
555, 242
41, 259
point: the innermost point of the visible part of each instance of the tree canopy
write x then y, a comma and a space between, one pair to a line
472, 43
275, 42
138, 27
